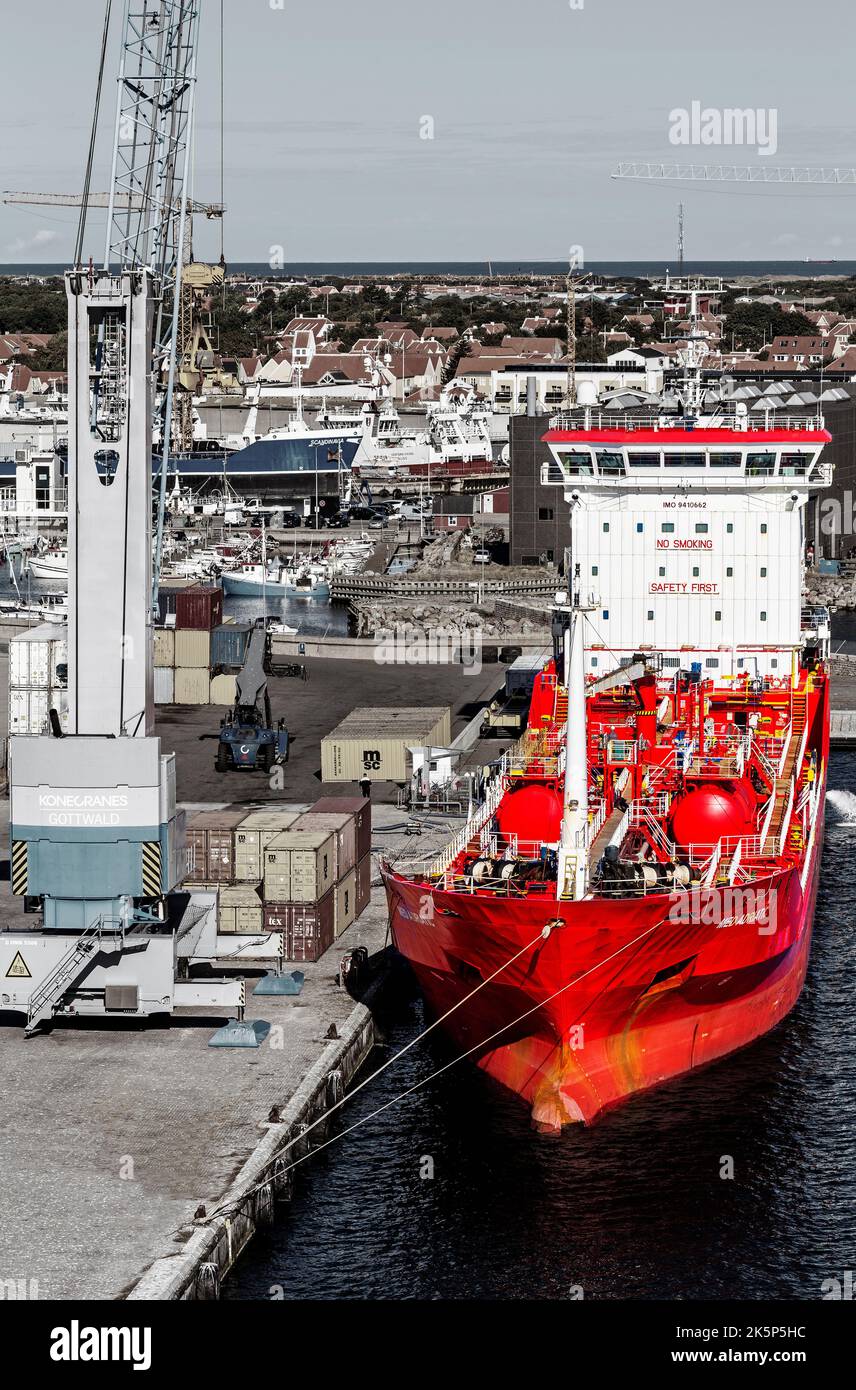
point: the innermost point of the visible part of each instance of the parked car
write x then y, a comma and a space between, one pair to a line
482, 557
291, 519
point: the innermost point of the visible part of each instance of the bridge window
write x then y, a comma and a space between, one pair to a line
605, 527
729, 527
640, 526
649, 460
717, 617
729, 573
684, 460
712, 663
577, 463
609, 462
763, 528
719, 460
695, 571
662, 571
795, 465
758, 465
763, 615
763, 572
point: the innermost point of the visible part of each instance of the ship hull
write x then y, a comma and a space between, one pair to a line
620, 997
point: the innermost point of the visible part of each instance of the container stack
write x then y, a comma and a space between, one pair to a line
38, 678
307, 877
196, 654
372, 744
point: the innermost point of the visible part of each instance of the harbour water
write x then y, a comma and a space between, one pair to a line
449, 1194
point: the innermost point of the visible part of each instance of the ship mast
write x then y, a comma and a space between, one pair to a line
573, 847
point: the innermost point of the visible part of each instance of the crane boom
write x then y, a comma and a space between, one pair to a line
101, 200
735, 173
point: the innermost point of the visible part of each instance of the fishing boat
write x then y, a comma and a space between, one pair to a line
48, 564
634, 898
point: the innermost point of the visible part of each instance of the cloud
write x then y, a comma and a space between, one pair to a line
41, 238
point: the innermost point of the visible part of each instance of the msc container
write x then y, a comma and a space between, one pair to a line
222, 690
38, 658
308, 929
229, 644
192, 686
192, 648
345, 898
364, 884
211, 846
372, 744
360, 808
252, 837
342, 827
164, 685
241, 911
200, 607
164, 646
298, 866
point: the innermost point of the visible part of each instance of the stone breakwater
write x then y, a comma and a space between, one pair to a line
424, 620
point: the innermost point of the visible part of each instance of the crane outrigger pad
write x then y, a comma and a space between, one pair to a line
275, 983
240, 1033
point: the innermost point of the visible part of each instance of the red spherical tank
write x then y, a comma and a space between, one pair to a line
706, 814
531, 813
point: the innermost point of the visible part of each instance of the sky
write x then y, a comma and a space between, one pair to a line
458, 129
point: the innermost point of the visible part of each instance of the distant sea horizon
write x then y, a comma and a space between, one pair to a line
813, 269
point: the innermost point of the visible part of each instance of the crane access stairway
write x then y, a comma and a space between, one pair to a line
67, 972
782, 788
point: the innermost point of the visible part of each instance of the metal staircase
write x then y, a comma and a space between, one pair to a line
64, 975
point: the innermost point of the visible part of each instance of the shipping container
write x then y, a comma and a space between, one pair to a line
252, 836
38, 658
164, 646
298, 866
229, 645
364, 884
164, 685
372, 744
345, 897
222, 690
192, 686
241, 911
211, 846
168, 591
520, 676
344, 832
192, 649
357, 806
29, 710
308, 929
200, 607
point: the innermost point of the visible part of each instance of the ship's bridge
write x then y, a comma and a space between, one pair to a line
688, 537
661, 451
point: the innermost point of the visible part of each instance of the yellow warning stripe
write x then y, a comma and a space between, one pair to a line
19, 871
152, 869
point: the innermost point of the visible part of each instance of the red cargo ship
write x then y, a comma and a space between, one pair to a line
634, 898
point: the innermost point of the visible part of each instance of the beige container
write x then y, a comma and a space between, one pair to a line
252, 836
343, 828
222, 690
345, 894
164, 646
298, 867
193, 649
191, 685
372, 743
241, 911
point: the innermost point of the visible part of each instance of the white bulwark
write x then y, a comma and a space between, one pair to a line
688, 538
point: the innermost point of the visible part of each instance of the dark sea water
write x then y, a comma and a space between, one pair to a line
521, 267
632, 1208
